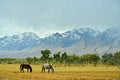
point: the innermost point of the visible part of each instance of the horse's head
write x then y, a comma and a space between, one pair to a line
52, 69
30, 69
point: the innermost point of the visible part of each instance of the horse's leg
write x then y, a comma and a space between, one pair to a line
44, 70
23, 70
48, 70
27, 70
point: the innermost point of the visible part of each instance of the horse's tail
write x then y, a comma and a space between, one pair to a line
30, 69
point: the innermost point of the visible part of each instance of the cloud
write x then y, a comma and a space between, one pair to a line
47, 16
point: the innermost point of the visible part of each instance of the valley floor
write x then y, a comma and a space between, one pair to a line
12, 72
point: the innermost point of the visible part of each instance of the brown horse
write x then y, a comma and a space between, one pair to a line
25, 66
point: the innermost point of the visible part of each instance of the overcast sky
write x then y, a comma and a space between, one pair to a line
44, 17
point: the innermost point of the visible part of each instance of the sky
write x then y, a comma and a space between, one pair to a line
45, 17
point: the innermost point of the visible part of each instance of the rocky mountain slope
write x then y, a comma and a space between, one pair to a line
77, 41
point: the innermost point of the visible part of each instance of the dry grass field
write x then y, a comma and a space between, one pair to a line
11, 72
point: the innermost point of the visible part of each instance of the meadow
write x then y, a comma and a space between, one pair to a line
101, 72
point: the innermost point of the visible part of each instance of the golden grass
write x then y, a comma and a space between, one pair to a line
11, 72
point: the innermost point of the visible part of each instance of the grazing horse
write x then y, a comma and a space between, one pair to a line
25, 66
47, 66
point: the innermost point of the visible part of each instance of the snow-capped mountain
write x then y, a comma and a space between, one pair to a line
77, 41
82, 31
19, 42
70, 37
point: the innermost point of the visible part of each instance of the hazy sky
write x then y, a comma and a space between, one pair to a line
44, 17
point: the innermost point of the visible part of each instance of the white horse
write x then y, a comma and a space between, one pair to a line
47, 66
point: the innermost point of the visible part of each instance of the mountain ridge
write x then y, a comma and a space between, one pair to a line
77, 41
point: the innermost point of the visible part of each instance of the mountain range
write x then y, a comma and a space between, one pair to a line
76, 41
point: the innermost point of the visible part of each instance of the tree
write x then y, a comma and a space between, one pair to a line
36, 60
90, 58
86, 58
72, 59
82, 61
57, 57
117, 57
109, 59
29, 60
64, 55
75, 59
94, 59
45, 55
69, 60
64, 58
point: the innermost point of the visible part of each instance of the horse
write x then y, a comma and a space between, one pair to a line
47, 66
25, 66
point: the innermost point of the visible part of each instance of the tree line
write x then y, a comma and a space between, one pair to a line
65, 59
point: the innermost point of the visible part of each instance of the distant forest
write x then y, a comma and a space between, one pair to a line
64, 59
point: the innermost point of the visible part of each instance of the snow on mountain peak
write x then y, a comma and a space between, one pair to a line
30, 34
81, 31
112, 32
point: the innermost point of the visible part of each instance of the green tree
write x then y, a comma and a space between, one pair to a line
94, 59
86, 58
57, 57
69, 60
36, 60
106, 57
45, 55
109, 59
72, 59
29, 60
117, 57
82, 61
64, 58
